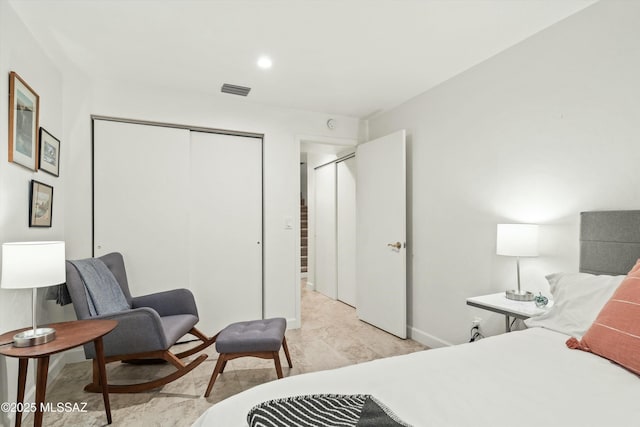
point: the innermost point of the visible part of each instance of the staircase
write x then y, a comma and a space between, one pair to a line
303, 236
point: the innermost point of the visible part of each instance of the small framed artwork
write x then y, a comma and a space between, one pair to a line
40, 204
49, 153
24, 108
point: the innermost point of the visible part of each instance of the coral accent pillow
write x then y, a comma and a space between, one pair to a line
615, 334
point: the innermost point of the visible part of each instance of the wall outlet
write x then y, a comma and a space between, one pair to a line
476, 322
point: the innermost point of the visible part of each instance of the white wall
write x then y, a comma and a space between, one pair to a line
19, 52
538, 133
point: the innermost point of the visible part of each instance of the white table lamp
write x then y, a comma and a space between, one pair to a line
517, 240
33, 265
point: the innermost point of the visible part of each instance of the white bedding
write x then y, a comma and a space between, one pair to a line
526, 378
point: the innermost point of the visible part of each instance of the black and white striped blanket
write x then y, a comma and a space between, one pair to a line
327, 410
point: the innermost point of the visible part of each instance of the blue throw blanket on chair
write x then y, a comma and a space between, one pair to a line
104, 294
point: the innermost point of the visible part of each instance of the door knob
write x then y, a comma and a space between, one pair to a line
396, 245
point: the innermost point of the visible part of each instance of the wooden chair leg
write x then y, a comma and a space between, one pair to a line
276, 360
286, 351
173, 359
181, 370
206, 342
224, 365
221, 361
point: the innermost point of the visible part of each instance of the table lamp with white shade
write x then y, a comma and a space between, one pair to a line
33, 265
519, 240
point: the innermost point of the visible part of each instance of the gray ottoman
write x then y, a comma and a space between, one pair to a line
256, 338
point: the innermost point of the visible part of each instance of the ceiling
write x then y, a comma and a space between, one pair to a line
349, 57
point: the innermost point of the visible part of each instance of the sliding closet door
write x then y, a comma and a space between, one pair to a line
325, 232
185, 210
346, 230
225, 228
140, 206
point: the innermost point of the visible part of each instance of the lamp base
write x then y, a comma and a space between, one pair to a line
519, 295
34, 337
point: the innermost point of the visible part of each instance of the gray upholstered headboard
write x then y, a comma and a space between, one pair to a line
609, 241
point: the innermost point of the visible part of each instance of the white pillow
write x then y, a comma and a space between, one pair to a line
577, 300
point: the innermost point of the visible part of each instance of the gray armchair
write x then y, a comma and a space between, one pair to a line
145, 331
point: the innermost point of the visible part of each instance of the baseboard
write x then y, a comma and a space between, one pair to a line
293, 323
310, 286
424, 338
75, 355
54, 369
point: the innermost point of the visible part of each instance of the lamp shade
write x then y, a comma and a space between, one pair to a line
517, 240
27, 265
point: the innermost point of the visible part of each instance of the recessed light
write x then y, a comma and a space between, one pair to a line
264, 62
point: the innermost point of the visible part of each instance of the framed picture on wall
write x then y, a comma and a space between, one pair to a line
49, 153
40, 204
24, 108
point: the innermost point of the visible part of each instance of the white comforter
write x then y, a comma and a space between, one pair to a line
527, 378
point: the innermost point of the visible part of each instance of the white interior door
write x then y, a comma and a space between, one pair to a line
346, 230
225, 228
325, 230
131, 163
381, 233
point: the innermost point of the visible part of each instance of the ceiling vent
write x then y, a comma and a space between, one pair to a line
235, 90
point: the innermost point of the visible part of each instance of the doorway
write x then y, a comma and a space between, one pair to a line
318, 168
379, 270
335, 229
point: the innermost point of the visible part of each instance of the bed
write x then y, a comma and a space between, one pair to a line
524, 378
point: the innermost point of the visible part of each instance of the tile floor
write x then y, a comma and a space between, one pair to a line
330, 337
